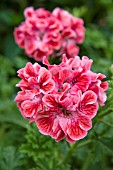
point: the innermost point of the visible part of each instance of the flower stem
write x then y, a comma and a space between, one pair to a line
107, 123
70, 151
104, 113
73, 147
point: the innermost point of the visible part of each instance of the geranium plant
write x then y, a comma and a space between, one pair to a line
45, 33
62, 99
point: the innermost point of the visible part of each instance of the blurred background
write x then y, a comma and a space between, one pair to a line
21, 145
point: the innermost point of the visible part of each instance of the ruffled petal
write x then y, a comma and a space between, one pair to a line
76, 132
29, 108
89, 97
45, 123
83, 82
84, 122
89, 110
47, 88
29, 70
68, 139
44, 77
49, 100
104, 85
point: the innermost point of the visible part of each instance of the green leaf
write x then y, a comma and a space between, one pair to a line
9, 158
15, 118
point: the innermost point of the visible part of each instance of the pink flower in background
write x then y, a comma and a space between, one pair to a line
73, 27
45, 33
70, 48
63, 99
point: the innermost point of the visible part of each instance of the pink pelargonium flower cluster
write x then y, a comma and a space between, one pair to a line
62, 99
45, 33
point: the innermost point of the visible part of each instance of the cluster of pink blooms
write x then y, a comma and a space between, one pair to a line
45, 33
63, 99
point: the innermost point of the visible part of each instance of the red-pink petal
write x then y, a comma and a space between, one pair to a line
24, 85
33, 80
70, 140
84, 122
36, 68
104, 85
61, 136
75, 132
71, 50
49, 100
28, 12
66, 102
89, 110
101, 76
65, 87
29, 108
94, 88
48, 87
63, 74
21, 96
21, 73
89, 97
58, 133
64, 58
72, 129
45, 61
45, 124
102, 98
83, 82
86, 62
44, 77
29, 70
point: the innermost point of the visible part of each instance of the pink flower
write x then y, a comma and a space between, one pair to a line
29, 103
70, 49
44, 33
73, 26
63, 99
38, 33
98, 86
36, 81
72, 123
35, 77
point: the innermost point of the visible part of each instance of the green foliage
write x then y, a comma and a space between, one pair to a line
55, 167
42, 150
10, 159
10, 113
